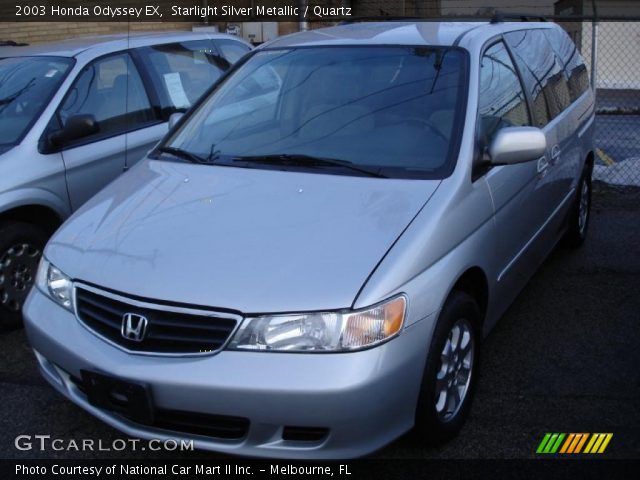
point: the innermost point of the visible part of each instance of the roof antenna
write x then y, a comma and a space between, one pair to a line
126, 99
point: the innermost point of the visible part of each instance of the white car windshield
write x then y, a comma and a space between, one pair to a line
26, 86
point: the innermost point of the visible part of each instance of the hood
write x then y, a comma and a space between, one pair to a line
250, 240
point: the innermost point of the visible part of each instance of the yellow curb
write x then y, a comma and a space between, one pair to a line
605, 158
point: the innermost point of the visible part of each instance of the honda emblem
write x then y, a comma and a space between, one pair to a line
134, 327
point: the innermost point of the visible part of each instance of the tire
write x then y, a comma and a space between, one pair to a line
437, 419
578, 219
21, 246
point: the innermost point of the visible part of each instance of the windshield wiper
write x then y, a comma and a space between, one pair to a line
184, 154
295, 159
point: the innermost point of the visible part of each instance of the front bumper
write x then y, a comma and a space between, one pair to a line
365, 399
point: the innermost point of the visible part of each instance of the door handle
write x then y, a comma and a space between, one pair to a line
543, 164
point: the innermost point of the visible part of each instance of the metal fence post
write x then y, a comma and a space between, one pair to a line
303, 24
594, 50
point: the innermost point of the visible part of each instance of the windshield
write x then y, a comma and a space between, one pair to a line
26, 86
390, 111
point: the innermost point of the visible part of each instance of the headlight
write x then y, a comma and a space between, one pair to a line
52, 282
322, 331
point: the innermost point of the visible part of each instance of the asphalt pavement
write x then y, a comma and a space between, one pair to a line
564, 358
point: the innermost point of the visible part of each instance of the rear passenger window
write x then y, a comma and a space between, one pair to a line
502, 100
543, 73
183, 71
575, 69
231, 50
111, 90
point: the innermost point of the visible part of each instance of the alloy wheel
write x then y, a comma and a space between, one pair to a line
18, 266
456, 367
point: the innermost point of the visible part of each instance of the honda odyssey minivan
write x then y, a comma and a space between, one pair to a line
305, 267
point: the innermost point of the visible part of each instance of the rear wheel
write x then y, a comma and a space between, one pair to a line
578, 220
21, 246
450, 372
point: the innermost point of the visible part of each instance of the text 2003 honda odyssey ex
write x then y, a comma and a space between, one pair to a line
306, 265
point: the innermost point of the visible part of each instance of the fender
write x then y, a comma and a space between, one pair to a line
38, 197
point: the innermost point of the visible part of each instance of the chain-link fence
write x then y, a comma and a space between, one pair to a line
614, 45
617, 80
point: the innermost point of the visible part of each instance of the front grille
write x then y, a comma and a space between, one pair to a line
168, 332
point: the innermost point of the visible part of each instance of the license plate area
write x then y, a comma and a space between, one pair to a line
130, 399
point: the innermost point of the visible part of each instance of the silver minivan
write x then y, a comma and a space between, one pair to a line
305, 267
73, 116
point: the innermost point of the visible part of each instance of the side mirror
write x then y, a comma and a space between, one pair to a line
77, 126
517, 145
174, 119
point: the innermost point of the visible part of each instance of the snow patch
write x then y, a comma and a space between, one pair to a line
626, 172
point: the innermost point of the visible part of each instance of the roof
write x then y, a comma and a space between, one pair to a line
379, 33
398, 33
106, 43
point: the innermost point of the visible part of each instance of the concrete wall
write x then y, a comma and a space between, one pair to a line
38, 32
471, 7
393, 8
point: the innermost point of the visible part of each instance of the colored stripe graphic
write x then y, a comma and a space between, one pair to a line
596, 446
573, 443
581, 442
567, 443
543, 443
592, 441
550, 443
556, 445
607, 439
598, 442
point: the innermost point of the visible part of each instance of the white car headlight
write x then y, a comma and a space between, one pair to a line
322, 331
54, 283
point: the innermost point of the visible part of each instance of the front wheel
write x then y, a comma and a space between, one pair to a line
450, 372
21, 246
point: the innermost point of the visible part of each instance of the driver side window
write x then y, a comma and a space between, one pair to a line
111, 90
502, 100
